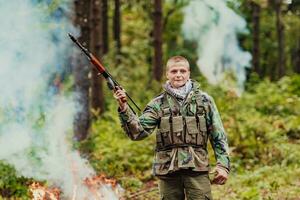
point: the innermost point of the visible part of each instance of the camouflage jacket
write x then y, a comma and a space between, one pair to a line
185, 157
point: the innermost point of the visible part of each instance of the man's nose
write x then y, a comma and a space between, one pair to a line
178, 73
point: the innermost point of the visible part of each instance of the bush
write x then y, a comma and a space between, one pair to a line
10, 184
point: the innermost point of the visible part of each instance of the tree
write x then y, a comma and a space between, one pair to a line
105, 25
96, 46
117, 26
296, 57
280, 38
157, 40
81, 71
294, 8
256, 32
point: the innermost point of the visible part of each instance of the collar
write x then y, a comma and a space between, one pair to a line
182, 92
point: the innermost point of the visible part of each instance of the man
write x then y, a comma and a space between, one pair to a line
186, 118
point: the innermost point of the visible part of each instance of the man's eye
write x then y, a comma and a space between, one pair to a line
183, 71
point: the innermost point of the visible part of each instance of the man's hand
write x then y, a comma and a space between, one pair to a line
120, 95
221, 176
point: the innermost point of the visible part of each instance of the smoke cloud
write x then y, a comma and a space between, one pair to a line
214, 26
35, 120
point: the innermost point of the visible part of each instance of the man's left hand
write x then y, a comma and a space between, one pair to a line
221, 176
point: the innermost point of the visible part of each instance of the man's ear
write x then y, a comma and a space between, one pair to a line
167, 75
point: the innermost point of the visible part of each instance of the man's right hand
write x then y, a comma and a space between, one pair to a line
120, 95
221, 176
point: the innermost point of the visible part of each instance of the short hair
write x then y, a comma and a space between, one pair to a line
177, 59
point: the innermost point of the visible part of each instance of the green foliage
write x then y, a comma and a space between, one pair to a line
10, 184
114, 154
268, 182
259, 119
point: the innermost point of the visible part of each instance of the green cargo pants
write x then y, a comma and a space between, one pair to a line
185, 184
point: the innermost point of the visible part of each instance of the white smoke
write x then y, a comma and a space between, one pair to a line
35, 123
214, 26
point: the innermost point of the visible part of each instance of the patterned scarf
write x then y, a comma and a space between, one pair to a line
179, 93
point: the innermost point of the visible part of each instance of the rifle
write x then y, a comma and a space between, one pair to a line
111, 82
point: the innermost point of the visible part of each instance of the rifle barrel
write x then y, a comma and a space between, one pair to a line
100, 68
86, 52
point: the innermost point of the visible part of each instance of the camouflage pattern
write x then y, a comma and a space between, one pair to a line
188, 157
193, 186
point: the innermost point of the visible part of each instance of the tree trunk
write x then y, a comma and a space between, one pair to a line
117, 26
105, 26
157, 40
296, 58
96, 46
256, 33
81, 71
280, 38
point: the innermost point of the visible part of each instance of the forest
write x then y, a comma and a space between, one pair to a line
60, 132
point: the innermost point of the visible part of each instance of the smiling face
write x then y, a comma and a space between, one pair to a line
178, 73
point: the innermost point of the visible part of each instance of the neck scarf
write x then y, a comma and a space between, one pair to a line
181, 92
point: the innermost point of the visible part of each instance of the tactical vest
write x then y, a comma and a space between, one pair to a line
178, 129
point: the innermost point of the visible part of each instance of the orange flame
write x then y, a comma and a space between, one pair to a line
38, 191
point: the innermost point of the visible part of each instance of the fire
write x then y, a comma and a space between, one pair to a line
94, 184
40, 192
100, 180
